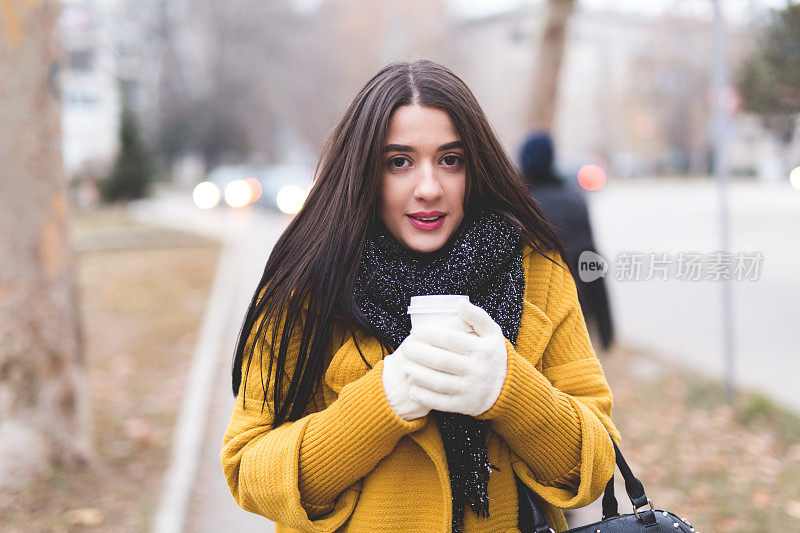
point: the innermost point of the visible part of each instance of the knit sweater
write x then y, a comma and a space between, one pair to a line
351, 464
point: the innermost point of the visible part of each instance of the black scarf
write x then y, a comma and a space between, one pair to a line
483, 260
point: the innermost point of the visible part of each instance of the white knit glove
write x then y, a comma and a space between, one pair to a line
454, 371
397, 386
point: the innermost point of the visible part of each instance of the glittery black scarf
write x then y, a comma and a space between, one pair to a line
482, 260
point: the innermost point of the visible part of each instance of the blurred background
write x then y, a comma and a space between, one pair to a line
152, 151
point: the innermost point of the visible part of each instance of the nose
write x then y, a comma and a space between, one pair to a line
427, 187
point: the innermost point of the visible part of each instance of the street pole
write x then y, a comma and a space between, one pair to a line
719, 76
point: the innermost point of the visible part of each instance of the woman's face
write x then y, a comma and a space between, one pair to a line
424, 178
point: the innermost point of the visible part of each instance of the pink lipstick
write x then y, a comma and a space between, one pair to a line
427, 220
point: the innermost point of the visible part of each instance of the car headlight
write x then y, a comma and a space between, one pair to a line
206, 195
290, 199
238, 193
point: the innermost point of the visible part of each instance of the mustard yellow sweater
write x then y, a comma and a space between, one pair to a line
352, 465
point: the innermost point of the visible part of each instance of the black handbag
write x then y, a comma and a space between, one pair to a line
650, 520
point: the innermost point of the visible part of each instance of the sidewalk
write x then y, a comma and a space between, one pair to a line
196, 497
212, 508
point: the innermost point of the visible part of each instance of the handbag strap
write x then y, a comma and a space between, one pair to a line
633, 487
530, 514
610, 507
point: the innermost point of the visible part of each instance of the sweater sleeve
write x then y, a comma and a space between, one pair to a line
305, 474
557, 420
345, 441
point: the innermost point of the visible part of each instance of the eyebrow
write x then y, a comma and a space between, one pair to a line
406, 148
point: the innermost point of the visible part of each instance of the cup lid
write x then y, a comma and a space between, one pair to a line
435, 303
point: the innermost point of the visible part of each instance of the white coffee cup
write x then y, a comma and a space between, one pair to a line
438, 310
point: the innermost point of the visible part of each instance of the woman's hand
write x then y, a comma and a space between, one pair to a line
397, 386
454, 371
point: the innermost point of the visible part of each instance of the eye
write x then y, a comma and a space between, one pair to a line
452, 160
398, 162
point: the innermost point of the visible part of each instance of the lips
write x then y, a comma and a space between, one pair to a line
427, 220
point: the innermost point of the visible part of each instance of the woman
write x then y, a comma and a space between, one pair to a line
345, 421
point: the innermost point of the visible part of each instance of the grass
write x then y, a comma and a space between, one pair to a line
109, 228
141, 309
728, 468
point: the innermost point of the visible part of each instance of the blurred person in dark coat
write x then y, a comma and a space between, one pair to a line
565, 208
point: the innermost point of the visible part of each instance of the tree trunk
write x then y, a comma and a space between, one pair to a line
44, 407
548, 64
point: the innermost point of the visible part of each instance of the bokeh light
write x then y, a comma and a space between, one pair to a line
794, 178
592, 177
238, 193
206, 195
255, 187
290, 199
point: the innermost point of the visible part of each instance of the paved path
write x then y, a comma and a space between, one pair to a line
248, 237
213, 509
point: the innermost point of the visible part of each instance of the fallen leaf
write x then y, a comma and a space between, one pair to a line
792, 508
701, 492
730, 523
138, 431
85, 516
761, 498
794, 453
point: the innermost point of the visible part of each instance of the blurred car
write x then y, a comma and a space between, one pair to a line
283, 187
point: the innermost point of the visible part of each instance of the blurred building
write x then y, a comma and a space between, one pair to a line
89, 88
266, 81
633, 93
116, 52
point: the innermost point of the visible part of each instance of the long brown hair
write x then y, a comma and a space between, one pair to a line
313, 267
